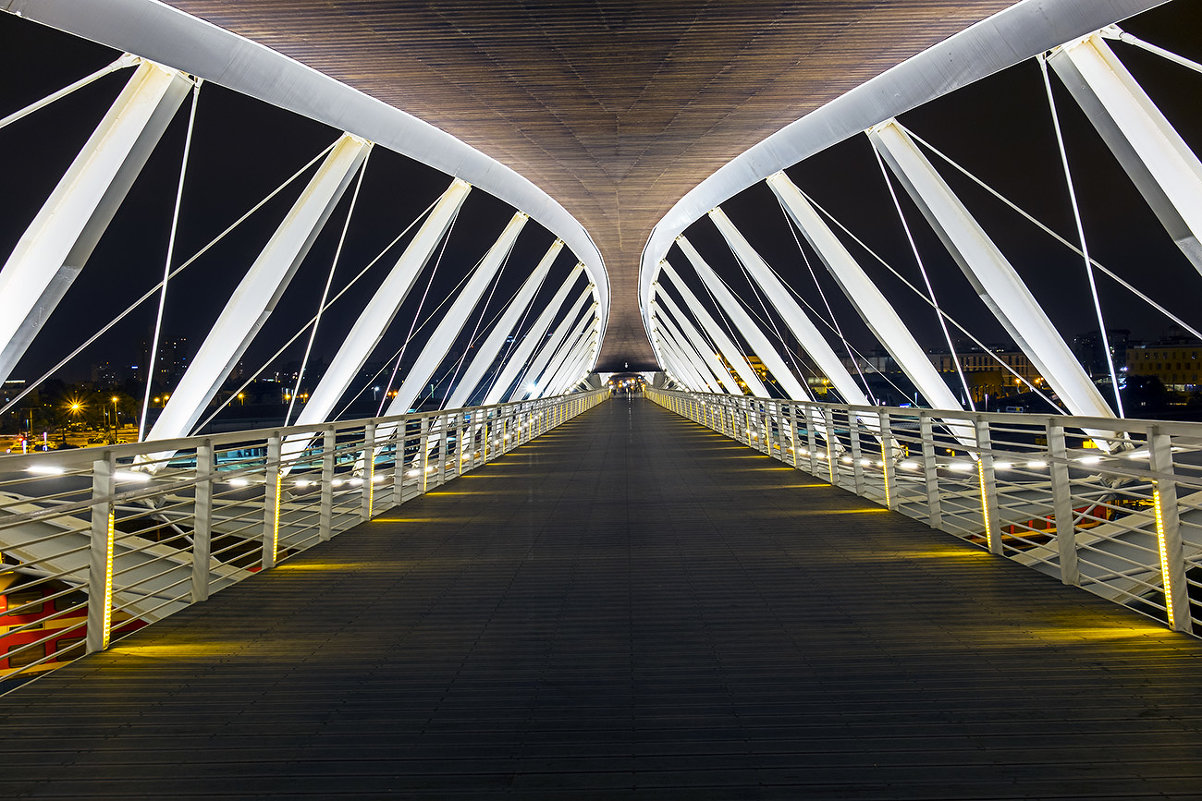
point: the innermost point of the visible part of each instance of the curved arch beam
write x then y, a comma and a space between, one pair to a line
1020, 32
163, 34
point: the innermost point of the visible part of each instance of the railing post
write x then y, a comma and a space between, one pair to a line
1168, 530
930, 471
367, 499
782, 437
857, 454
398, 461
100, 567
444, 446
832, 465
202, 521
987, 483
423, 449
885, 431
811, 440
329, 459
1062, 503
791, 422
271, 502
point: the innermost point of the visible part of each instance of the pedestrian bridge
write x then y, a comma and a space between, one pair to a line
627, 605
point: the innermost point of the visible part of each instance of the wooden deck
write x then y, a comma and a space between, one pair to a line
629, 607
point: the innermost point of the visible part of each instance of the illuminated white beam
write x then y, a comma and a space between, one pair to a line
544, 349
455, 317
691, 355
687, 370
799, 322
689, 332
536, 380
876, 311
533, 337
992, 276
504, 328
260, 289
380, 310
1155, 157
760, 345
59, 241
726, 346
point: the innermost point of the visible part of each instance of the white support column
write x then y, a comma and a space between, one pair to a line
557, 372
686, 372
573, 365
878, 314
378, 314
992, 276
756, 339
794, 316
542, 378
547, 348
504, 328
671, 364
1155, 157
255, 298
726, 346
521, 354
695, 360
708, 354
455, 317
59, 241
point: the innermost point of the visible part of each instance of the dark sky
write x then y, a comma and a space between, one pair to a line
999, 128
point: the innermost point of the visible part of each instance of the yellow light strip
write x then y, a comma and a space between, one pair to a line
107, 621
984, 500
275, 517
1164, 556
885, 471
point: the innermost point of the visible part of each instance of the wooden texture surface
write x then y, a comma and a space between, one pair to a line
631, 606
615, 107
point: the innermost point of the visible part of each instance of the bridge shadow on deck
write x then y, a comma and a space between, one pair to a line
630, 606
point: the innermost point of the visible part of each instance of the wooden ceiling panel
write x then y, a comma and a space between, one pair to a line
616, 108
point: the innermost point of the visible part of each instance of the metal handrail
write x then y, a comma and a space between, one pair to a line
1111, 506
135, 532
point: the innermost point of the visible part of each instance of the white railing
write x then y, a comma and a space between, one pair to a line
1112, 512
101, 541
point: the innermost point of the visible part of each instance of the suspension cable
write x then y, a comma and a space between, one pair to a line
331, 302
1118, 34
1031, 219
471, 340
771, 321
421, 304
947, 337
906, 282
126, 60
158, 320
833, 320
1072, 197
154, 289
346, 224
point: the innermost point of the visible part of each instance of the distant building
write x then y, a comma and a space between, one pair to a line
985, 374
1177, 366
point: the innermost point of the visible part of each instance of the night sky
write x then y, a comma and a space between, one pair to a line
999, 128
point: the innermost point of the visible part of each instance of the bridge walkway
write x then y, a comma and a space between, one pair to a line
629, 607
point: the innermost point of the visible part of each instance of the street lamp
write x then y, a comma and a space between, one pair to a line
116, 424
